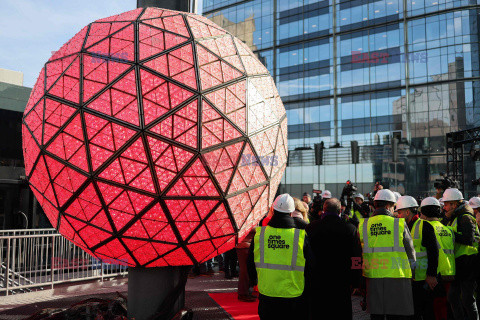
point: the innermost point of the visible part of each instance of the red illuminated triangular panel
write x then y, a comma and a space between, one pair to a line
178, 258
201, 250
68, 85
69, 145
214, 71
177, 64
215, 129
159, 96
194, 182
222, 162
181, 126
120, 100
98, 72
56, 68
34, 121
231, 101
168, 160
240, 206
56, 115
153, 41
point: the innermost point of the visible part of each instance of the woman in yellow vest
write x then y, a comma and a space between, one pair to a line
435, 257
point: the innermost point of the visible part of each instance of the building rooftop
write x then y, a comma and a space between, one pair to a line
13, 97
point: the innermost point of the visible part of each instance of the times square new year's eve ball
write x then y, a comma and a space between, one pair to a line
154, 138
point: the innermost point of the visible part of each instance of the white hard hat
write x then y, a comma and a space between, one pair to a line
474, 202
441, 201
452, 194
358, 195
284, 203
406, 202
430, 201
385, 195
397, 195
326, 194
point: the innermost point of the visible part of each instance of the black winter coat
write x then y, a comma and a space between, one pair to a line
337, 249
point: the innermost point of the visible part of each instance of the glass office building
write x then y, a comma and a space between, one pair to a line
368, 71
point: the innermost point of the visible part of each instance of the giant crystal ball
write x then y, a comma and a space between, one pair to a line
154, 138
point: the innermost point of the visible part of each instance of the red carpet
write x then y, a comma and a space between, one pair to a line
237, 309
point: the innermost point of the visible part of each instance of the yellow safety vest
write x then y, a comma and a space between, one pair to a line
279, 260
445, 244
355, 213
462, 249
384, 255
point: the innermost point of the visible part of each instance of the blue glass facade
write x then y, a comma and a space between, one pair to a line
369, 71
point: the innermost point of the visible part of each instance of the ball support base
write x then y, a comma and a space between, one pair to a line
156, 293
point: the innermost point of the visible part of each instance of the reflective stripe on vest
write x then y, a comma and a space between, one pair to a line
279, 260
462, 249
444, 240
384, 255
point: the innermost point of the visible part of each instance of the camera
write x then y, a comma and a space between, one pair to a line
348, 190
445, 183
317, 203
476, 182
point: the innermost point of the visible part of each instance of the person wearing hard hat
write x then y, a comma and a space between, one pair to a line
459, 216
336, 243
397, 195
434, 245
357, 209
279, 258
407, 209
474, 203
326, 194
388, 260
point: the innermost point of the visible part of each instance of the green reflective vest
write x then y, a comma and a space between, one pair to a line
279, 260
355, 213
384, 255
462, 249
445, 244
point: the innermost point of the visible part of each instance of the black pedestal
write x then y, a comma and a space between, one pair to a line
158, 292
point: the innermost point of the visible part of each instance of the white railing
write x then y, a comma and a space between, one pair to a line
38, 259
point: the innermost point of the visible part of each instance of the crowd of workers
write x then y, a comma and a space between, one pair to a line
408, 261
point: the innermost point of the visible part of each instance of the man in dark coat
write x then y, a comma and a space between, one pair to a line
337, 249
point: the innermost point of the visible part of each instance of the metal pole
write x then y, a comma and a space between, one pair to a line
7, 270
396, 182
52, 272
335, 104
356, 173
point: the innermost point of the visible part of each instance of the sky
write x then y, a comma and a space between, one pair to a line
31, 29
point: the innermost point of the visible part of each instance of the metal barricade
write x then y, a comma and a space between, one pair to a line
39, 259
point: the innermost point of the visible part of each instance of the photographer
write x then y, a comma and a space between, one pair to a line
357, 209
315, 208
443, 184
377, 187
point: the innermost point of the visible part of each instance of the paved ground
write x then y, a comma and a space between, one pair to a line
23, 305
